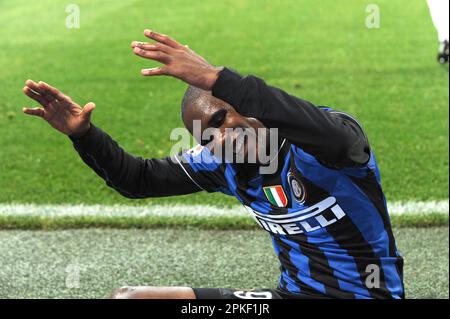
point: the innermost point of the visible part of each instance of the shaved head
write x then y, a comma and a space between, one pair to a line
212, 113
197, 103
191, 96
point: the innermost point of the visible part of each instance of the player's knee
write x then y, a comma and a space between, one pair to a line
123, 293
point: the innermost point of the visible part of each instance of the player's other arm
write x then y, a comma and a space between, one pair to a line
131, 176
333, 139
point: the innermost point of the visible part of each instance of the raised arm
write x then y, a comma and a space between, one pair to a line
335, 139
131, 176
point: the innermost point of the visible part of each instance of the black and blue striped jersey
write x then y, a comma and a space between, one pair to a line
323, 207
330, 228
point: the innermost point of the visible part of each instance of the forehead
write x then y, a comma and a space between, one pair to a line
202, 109
205, 106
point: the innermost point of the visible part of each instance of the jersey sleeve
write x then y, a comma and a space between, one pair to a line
205, 170
131, 176
331, 138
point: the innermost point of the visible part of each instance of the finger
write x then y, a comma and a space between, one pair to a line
53, 92
162, 38
32, 85
35, 87
48, 96
153, 55
34, 111
154, 71
88, 108
152, 46
35, 96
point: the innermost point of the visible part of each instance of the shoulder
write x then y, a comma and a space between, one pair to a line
350, 142
200, 165
199, 158
347, 119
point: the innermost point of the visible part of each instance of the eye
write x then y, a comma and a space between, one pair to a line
218, 118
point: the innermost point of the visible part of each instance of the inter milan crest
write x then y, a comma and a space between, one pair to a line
298, 190
276, 196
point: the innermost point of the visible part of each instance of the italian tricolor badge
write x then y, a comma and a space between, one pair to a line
276, 196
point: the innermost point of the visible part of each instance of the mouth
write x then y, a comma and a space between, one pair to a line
240, 143
239, 146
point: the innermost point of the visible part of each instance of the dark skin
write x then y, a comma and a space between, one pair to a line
69, 118
217, 114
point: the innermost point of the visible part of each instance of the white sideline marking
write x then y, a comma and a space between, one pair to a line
411, 207
395, 208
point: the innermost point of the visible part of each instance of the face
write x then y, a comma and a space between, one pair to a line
226, 132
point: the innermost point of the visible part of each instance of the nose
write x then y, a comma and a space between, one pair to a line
223, 138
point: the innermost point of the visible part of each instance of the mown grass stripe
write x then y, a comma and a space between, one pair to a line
31, 216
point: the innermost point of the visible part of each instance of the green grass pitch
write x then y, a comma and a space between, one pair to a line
318, 50
40, 264
322, 51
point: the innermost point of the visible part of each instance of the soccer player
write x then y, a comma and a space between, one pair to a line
439, 15
323, 205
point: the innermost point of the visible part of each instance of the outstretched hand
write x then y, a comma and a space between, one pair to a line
58, 109
179, 61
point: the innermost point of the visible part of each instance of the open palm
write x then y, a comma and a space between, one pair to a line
58, 109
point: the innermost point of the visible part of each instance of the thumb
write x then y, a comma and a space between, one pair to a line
88, 108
